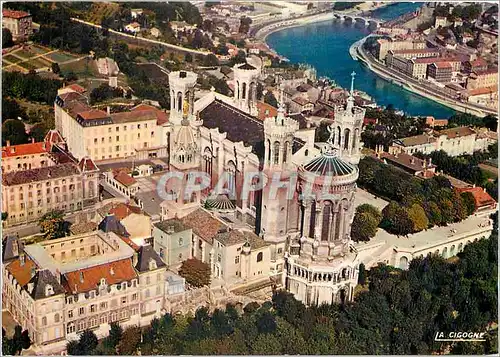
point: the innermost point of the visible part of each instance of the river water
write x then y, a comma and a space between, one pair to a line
325, 45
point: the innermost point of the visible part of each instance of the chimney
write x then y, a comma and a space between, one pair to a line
108, 110
12, 150
15, 247
43, 145
112, 271
22, 259
8, 142
430, 161
412, 161
135, 259
32, 140
76, 288
81, 277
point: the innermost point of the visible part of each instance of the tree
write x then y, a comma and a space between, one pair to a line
266, 344
210, 60
55, 68
364, 227
195, 272
221, 86
19, 341
11, 109
6, 38
396, 220
245, 23
130, 341
13, 131
260, 91
53, 225
372, 210
88, 342
362, 274
418, 217
270, 99
115, 334
38, 132
469, 202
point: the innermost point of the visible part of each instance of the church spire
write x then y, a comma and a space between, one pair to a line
350, 100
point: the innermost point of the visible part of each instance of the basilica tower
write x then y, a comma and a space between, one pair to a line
246, 77
183, 141
347, 127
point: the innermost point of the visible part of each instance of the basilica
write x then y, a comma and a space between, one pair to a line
306, 223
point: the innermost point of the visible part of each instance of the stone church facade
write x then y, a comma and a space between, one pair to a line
308, 232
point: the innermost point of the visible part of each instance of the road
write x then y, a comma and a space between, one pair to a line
169, 45
420, 88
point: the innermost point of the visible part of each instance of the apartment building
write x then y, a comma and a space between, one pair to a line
56, 181
478, 64
483, 79
58, 288
19, 23
173, 241
104, 135
454, 141
24, 156
440, 72
383, 46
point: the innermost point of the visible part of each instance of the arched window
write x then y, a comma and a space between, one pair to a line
179, 102
312, 221
276, 153
444, 254
56, 317
355, 139
327, 214
269, 150
243, 96
173, 99
207, 156
231, 177
347, 133
403, 263
452, 251
259, 257
460, 247
339, 136
306, 152
44, 321
285, 151
238, 89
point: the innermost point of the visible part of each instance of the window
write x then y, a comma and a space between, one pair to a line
117, 129
148, 280
117, 138
158, 290
70, 328
81, 311
134, 297
138, 126
280, 250
237, 259
44, 321
259, 257
124, 300
219, 258
93, 308
103, 306
95, 141
181, 241
56, 318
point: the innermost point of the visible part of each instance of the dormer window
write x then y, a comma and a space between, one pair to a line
49, 290
152, 264
103, 281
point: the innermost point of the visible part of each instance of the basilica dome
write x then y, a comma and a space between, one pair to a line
185, 137
330, 164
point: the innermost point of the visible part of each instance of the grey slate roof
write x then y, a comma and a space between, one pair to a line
8, 248
145, 254
111, 224
41, 280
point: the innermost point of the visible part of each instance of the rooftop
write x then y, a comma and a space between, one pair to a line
14, 14
125, 179
418, 140
87, 279
173, 225
235, 237
456, 132
408, 161
204, 225
24, 149
481, 197
40, 174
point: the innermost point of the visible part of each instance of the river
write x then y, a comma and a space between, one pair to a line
325, 45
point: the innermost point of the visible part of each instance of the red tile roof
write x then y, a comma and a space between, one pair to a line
442, 64
114, 273
456, 132
125, 179
203, 224
23, 149
265, 110
481, 197
86, 164
77, 88
22, 273
123, 210
93, 114
161, 116
14, 14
